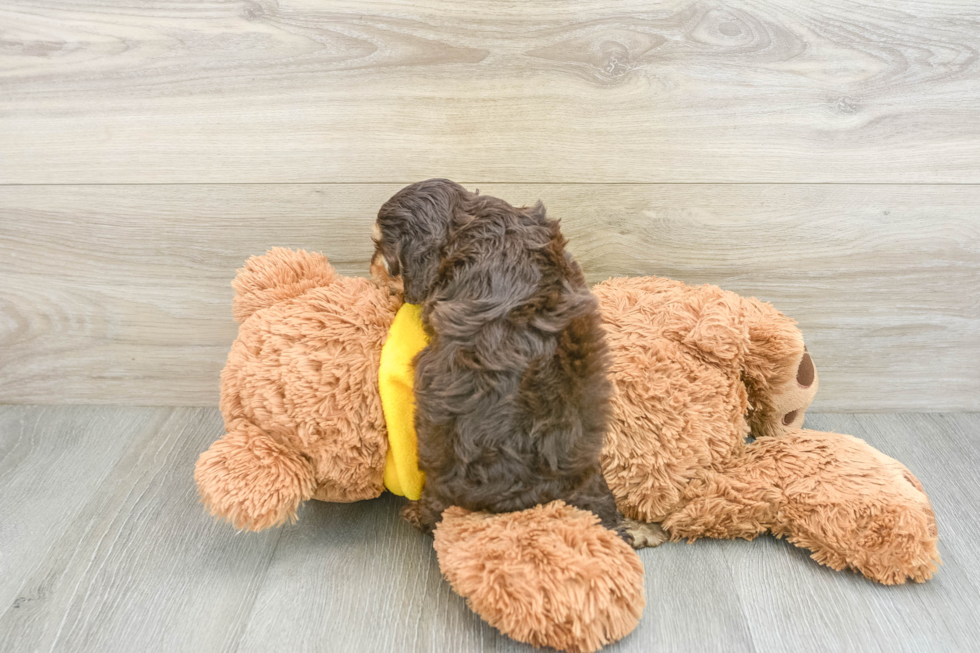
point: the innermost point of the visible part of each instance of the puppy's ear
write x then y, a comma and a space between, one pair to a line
419, 266
416, 223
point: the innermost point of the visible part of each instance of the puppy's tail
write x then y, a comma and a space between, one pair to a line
551, 575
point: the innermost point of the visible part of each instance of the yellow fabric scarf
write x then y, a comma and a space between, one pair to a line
396, 377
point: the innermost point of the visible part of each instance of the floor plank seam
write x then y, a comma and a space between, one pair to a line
257, 591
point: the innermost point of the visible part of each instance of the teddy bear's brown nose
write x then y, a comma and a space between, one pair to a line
804, 373
789, 417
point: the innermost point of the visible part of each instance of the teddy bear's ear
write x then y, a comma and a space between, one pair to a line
277, 275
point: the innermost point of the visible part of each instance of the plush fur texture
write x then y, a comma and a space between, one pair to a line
512, 391
299, 393
851, 505
695, 369
574, 593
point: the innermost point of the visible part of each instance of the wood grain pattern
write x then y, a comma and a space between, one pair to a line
52, 461
319, 573
874, 617
120, 294
137, 565
581, 91
140, 566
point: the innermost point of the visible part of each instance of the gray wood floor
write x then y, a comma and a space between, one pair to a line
103, 547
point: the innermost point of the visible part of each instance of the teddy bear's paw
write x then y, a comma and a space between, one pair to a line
253, 481
890, 544
551, 575
645, 534
784, 409
855, 507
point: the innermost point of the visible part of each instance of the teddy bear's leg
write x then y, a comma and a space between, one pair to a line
253, 481
887, 543
780, 377
729, 504
859, 509
551, 575
851, 505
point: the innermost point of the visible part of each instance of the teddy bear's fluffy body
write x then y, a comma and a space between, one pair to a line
696, 370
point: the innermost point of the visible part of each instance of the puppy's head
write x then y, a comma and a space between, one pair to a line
411, 230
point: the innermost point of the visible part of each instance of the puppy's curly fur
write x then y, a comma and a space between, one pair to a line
512, 392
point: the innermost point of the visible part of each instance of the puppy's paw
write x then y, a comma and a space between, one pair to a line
626, 535
412, 513
645, 534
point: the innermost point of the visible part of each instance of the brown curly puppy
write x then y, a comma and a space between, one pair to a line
512, 392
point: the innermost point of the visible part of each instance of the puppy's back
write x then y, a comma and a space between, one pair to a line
514, 385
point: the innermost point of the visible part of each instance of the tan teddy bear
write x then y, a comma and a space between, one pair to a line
696, 370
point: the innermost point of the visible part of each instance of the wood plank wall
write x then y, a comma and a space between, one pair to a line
824, 156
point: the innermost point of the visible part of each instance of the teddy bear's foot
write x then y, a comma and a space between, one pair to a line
253, 481
780, 377
785, 408
645, 534
551, 575
888, 544
864, 511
